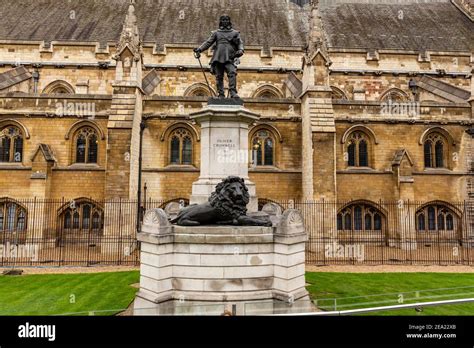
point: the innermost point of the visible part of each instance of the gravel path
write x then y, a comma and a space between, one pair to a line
345, 268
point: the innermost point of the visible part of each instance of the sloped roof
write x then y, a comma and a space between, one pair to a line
46, 151
398, 157
415, 25
12, 77
150, 81
444, 90
263, 22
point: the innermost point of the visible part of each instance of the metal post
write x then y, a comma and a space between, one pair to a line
144, 196
139, 191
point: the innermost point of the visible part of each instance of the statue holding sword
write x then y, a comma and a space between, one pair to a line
229, 48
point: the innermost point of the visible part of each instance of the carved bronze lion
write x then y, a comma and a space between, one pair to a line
226, 206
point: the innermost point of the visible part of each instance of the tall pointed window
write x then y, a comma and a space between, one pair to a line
263, 148
435, 153
358, 150
87, 144
11, 144
12, 216
181, 147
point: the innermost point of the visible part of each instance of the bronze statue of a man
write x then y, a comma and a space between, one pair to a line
229, 47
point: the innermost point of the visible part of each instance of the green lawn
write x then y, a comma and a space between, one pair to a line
360, 290
111, 292
66, 293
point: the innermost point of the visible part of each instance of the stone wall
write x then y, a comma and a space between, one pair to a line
78, 65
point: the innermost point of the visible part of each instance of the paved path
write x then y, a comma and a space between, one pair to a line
345, 268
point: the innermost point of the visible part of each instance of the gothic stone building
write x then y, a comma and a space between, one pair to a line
360, 101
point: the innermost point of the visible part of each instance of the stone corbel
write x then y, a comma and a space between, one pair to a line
424, 57
372, 55
100, 49
46, 47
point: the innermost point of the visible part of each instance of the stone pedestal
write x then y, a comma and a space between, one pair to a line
209, 269
224, 149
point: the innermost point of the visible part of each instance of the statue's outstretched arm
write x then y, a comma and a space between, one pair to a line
208, 43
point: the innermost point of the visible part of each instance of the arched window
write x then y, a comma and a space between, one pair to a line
75, 220
263, 148
360, 217
12, 216
267, 92
86, 216
198, 90
363, 153
395, 95
59, 87
358, 150
96, 221
67, 220
337, 94
351, 152
86, 145
59, 90
421, 221
439, 154
11, 144
435, 154
201, 92
181, 147
268, 95
82, 216
436, 217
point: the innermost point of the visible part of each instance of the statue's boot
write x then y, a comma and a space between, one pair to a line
233, 85
220, 87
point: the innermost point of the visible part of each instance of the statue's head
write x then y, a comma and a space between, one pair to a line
225, 22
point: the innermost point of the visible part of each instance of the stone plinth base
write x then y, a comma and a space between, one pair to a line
225, 101
209, 268
177, 307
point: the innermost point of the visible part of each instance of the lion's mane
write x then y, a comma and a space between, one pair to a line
224, 204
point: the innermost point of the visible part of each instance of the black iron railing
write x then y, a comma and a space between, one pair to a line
86, 232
